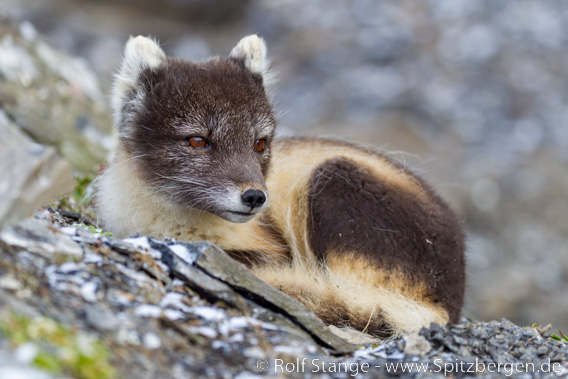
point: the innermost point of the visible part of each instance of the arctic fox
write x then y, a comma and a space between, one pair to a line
355, 236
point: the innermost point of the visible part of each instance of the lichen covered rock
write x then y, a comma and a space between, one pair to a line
54, 97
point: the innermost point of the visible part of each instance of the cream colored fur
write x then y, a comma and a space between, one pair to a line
140, 53
314, 286
252, 50
127, 206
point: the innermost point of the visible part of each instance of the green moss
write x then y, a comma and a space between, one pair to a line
80, 202
83, 192
94, 229
60, 349
47, 362
561, 338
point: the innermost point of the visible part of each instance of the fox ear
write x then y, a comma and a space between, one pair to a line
251, 50
140, 53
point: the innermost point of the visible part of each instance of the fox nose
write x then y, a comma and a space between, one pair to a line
253, 198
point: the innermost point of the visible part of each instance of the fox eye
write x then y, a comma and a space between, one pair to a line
259, 145
197, 142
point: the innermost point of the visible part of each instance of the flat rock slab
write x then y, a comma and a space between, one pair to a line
215, 263
32, 174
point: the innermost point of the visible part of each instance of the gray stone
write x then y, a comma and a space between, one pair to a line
36, 237
416, 345
101, 319
218, 264
204, 284
55, 98
32, 174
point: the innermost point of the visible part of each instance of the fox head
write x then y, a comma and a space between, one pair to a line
199, 133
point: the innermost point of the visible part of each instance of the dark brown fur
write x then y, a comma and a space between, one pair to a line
353, 211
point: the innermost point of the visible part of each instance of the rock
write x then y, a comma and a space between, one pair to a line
34, 236
32, 174
13, 371
416, 345
54, 97
216, 263
151, 341
196, 312
101, 319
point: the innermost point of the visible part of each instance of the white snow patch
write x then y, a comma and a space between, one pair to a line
254, 352
143, 243
151, 341
92, 258
26, 353
182, 252
89, 292
204, 331
69, 230
69, 267
242, 322
174, 314
148, 310
174, 299
139, 242
209, 313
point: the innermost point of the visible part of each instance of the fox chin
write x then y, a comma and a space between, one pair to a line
355, 236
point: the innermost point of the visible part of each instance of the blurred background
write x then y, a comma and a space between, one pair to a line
471, 94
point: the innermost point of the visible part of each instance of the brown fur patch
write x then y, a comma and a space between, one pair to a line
293, 164
358, 218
